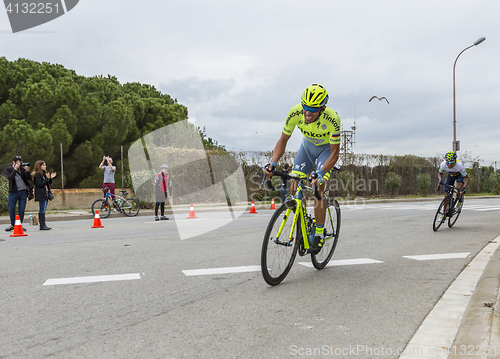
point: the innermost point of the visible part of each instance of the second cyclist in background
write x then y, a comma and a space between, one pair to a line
320, 126
456, 173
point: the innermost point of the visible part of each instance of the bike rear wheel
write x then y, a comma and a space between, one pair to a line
102, 206
455, 212
332, 230
278, 254
440, 216
130, 207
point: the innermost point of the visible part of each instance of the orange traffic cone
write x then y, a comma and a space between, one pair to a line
252, 208
272, 204
97, 220
18, 228
191, 212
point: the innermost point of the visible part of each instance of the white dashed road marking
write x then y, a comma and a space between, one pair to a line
257, 268
427, 257
225, 270
94, 279
345, 262
333, 263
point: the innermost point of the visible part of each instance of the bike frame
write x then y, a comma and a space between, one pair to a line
453, 196
114, 198
300, 215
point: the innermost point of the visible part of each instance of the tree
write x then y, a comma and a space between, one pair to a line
392, 183
43, 105
424, 183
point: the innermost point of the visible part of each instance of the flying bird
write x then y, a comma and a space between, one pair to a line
379, 98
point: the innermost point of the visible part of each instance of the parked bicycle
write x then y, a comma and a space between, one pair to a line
291, 230
128, 206
450, 207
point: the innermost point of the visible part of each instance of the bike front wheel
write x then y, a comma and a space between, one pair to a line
130, 207
280, 244
102, 206
440, 216
332, 231
455, 212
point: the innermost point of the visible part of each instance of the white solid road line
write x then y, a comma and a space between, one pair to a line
439, 329
93, 279
427, 257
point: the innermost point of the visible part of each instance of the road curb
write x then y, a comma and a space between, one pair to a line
479, 326
437, 334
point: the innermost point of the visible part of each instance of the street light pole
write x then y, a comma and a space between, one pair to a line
481, 39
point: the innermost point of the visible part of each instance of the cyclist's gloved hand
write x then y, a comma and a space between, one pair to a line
320, 173
463, 190
267, 168
440, 183
266, 180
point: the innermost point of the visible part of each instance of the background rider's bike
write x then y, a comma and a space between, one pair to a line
291, 230
129, 206
450, 207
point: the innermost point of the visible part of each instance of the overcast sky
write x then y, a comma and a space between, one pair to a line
239, 66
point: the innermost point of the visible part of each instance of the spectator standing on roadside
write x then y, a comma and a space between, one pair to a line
42, 180
162, 183
109, 177
18, 190
30, 189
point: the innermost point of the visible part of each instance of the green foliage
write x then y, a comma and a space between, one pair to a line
483, 179
489, 180
4, 194
43, 105
424, 183
208, 143
392, 183
495, 182
346, 184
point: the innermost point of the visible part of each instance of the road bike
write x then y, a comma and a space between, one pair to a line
291, 230
450, 207
128, 206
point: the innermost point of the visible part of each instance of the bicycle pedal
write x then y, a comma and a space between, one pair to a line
284, 243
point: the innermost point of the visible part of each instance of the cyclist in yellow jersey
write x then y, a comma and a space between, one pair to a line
320, 126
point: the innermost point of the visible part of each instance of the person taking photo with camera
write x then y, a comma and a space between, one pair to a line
19, 185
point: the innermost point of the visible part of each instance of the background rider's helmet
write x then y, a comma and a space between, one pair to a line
315, 96
164, 166
450, 156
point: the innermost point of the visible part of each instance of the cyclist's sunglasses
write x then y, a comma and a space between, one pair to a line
311, 109
450, 162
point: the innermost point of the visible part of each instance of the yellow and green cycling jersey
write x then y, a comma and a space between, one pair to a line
325, 130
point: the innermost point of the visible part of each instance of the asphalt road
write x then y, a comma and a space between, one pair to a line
344, 311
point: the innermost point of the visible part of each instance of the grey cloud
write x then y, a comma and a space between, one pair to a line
194, 90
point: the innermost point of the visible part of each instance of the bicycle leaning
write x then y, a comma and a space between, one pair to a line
128, 206
291, 230
450, 207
